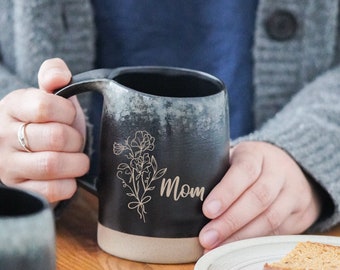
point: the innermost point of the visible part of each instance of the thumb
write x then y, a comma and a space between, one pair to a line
53, 74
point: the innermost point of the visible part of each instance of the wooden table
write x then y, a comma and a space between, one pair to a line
76, 240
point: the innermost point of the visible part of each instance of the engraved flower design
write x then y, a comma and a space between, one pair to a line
140, 171
143, 141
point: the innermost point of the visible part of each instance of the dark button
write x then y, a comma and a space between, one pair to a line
281, 25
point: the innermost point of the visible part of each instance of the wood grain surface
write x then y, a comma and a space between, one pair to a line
76, 242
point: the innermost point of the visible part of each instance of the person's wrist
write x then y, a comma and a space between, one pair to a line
323, 198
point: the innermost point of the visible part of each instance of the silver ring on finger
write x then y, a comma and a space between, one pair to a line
23, 138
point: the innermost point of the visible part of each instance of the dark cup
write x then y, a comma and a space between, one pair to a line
164, 146
27, 234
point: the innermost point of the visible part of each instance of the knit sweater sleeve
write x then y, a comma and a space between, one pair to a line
37, 30
9, 81
308, 128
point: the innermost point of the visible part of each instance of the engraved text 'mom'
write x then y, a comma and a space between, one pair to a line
172, 186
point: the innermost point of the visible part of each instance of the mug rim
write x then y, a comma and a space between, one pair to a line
90, 80
18, 204
166, 71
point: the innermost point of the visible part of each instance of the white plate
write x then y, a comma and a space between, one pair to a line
252, 254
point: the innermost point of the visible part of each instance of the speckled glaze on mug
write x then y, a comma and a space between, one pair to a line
164, 146
27, 235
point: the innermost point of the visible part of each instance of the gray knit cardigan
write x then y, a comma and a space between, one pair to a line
296, 79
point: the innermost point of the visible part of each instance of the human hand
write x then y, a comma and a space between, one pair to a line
55, 135
264, 192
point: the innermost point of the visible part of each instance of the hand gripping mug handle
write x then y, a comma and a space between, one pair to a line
84, 82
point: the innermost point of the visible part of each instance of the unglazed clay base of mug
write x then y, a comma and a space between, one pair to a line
149, 249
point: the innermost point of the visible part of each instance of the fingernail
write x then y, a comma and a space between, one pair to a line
57, 71
209, 238
53, 75
213, 208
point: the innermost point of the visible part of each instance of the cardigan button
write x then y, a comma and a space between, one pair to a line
281, 25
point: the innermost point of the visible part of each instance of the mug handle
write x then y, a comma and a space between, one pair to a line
81, 83
85, 82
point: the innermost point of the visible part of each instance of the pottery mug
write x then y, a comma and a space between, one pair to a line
164, 144
27, 234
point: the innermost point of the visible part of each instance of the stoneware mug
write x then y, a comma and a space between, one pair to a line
27, 234
164, 146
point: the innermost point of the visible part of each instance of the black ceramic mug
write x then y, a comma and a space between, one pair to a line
164, 146
27, 235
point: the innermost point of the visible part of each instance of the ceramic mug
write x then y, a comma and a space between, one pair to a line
27, 234
164, 146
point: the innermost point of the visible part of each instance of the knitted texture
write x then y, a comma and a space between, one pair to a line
283, 67
299, 76
309, 131
41, 29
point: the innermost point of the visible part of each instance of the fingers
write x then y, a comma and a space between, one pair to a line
53, 74
38, 106
293, 218
44, 166
245, 170
264, 192
254, 201
53, 190
50, 173
54, 133
50, 137
269, 222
